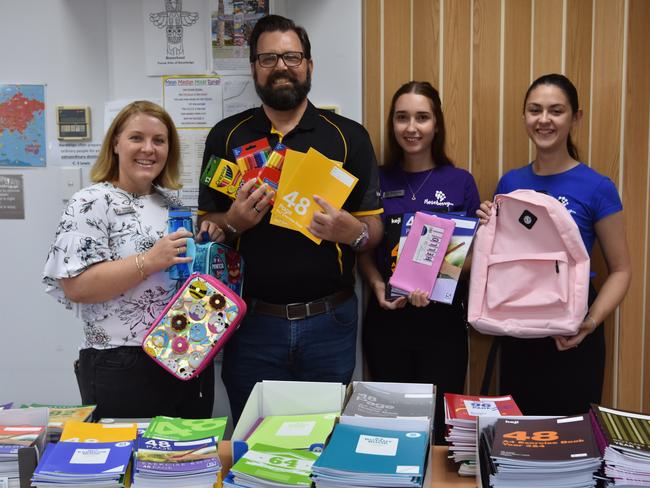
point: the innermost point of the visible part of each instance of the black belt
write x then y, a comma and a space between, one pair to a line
297, 311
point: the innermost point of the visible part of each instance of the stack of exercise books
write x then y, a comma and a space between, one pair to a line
75, 431
12, 439
60, 414
293, 431
367, 456
22, 436
281, 450
264, 466
624, 440
551, 452
461, 413
189, 463
178, 452
102, 464
391, 400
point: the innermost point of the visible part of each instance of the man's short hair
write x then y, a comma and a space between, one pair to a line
273, 23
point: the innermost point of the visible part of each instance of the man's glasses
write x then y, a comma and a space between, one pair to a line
290, 59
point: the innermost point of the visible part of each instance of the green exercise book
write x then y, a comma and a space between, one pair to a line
179, 429
281, 467
293, 431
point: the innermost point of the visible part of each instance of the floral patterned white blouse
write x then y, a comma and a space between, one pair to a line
104, 223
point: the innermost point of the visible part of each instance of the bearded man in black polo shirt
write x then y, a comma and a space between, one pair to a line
302, 318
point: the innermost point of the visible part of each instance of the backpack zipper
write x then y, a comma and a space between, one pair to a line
557, 267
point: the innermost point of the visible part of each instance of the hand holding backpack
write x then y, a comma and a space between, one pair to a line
530, 269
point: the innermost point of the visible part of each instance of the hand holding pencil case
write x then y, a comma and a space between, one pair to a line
217, 260
424, 251
194, 326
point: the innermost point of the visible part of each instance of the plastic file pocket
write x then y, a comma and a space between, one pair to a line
194, 326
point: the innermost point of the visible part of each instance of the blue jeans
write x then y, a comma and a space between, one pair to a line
318, 348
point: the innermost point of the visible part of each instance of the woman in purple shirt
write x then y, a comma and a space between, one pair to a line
425, 341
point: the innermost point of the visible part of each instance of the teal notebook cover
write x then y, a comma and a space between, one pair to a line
374, 451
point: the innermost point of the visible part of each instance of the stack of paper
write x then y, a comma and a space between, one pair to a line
84, 464
303, 176
393, 400
557, 452
193, 463
461, 412
264, 466
60, 414
293, 431
624, 439
365, 456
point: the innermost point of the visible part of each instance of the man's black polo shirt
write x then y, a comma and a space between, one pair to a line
281, 265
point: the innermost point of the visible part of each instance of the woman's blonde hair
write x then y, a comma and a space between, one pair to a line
106, 168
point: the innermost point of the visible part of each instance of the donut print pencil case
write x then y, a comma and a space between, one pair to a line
194, 326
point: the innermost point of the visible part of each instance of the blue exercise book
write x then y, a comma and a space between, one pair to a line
374, 451
85, 458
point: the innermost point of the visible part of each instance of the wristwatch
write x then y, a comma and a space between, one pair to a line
361, 239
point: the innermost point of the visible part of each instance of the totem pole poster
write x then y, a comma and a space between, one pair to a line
231, 24
177, 36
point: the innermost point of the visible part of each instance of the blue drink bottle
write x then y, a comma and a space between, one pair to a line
179, 217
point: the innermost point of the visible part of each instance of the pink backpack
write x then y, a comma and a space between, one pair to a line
530, 269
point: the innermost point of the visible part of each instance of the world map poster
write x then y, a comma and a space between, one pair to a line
22, 125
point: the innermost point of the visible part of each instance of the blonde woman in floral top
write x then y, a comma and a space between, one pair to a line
108, 263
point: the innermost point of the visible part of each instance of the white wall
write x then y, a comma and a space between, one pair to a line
88, 52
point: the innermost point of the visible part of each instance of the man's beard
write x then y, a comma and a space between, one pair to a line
286, 97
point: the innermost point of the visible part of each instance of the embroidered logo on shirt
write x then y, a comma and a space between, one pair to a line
565, 201
439, 201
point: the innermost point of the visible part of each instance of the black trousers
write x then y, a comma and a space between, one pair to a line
124, 382
418, 345
545, 381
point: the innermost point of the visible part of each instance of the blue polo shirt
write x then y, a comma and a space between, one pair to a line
586, 194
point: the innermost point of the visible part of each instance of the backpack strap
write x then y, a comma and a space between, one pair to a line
489, 365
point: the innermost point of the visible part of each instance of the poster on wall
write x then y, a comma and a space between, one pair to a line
22, 125
231, 24
176, 36
12, 198
192, 142
193, 102
238, 94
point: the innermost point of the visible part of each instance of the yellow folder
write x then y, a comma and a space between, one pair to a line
314, 175
292, 160
91, 432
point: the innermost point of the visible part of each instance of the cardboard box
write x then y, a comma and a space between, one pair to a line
284, 398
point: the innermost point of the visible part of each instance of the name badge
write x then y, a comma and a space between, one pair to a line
393, 194
123, 210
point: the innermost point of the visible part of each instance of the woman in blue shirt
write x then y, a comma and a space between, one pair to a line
563, 375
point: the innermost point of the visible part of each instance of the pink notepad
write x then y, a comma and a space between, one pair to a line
423, 253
